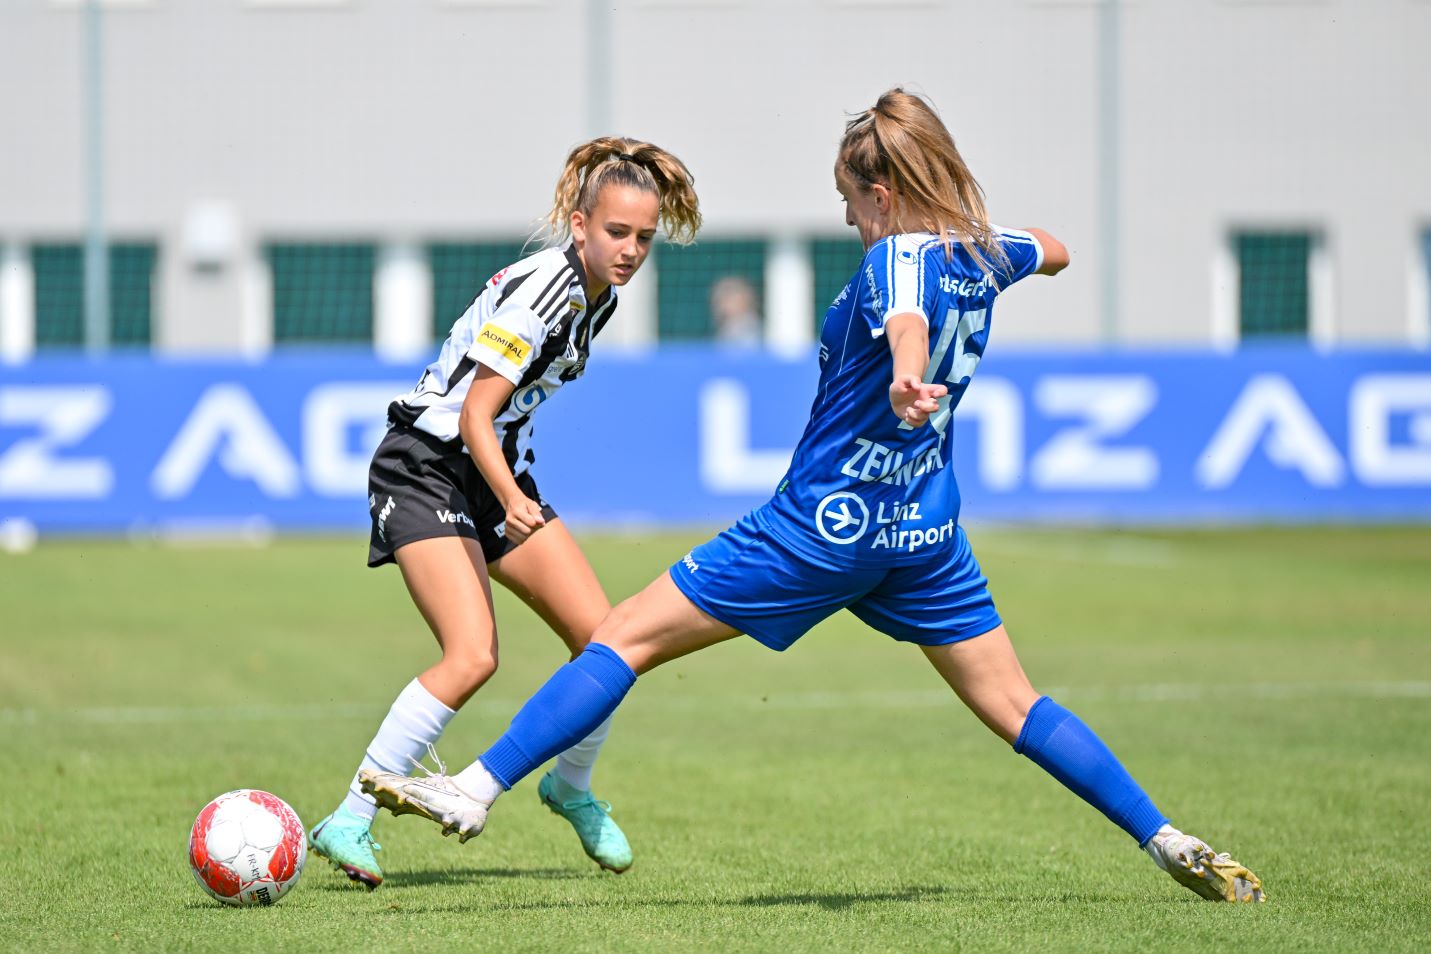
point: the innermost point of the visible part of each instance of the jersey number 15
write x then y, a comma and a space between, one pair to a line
957, 331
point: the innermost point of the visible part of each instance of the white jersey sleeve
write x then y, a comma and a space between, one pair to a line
508, 341
904, 266
894, 274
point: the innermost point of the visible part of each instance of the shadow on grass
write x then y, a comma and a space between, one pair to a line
826, 901
839, 901
403, 879
228, 910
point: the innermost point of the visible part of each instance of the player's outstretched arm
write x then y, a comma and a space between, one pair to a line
1055, 253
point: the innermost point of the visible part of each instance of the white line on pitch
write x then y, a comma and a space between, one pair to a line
855, 699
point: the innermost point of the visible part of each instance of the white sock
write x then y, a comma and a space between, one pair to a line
481, 784
574, 765
416, 719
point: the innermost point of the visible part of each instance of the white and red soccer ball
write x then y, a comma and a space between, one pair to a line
247, 847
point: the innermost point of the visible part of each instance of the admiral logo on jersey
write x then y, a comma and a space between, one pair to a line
504, 343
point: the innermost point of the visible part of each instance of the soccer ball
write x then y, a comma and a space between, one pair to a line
247, 847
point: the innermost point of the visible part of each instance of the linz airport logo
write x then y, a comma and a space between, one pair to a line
842, 517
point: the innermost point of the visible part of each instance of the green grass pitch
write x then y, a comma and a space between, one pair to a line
1270, 688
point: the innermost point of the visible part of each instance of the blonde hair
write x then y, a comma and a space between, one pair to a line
612, 160
901, 143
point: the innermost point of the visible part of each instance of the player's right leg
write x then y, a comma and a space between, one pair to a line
447, 578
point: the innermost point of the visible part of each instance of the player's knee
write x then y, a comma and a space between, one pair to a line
577, 641
615, 627
470, 668
1005, 708
619, 634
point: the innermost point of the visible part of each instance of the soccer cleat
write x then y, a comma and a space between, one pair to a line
1193, 865
345, 840
600, 836
435, 797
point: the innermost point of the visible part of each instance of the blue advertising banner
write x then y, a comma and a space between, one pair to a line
699, 435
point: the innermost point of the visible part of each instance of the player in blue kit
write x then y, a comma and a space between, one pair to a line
866, 518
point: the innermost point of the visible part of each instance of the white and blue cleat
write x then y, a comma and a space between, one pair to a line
1193, 865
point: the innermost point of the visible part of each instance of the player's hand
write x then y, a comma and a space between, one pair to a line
913, 400
524, 518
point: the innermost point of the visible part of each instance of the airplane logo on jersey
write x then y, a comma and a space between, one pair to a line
842, 517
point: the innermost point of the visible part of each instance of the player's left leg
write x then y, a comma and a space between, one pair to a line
985, 673
446, 577
944, 606
550, 574
657, 625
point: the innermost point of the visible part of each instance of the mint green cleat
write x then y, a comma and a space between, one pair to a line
345, 840
600, 836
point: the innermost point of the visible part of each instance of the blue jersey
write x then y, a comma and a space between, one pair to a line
863, 487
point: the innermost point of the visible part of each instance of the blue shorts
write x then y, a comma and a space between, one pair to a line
752, 581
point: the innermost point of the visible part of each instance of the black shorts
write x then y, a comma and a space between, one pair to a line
420, 488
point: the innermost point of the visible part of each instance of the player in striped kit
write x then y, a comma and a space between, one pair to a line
866, 518
451, 491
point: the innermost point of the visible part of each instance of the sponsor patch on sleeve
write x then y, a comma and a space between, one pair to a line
505, 343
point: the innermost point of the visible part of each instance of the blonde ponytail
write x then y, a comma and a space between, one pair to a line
612, 160
901, 143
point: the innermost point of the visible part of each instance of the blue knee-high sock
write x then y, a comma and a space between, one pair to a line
574, 701
1059, 743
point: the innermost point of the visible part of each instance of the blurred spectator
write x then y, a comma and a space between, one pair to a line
735, 312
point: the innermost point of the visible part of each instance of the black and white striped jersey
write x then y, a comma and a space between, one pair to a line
531, 324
